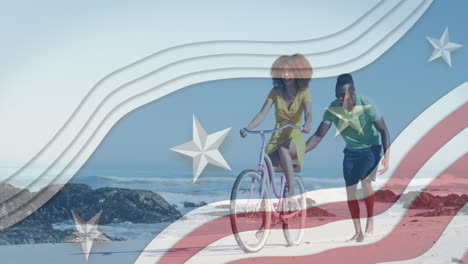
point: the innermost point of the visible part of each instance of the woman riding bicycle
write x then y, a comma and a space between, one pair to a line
291, 76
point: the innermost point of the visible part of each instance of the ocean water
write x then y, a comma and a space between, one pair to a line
176, 186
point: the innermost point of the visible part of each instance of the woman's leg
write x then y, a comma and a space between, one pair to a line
275, 159
287, 152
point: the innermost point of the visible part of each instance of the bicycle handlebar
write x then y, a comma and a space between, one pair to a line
271, 130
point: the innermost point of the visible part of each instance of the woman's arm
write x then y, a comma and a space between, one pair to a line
258, 119
307, 116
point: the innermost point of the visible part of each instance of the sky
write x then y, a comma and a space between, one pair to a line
401, 83
57, 52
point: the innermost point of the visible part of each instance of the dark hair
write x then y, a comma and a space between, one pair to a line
344, 79
298, 64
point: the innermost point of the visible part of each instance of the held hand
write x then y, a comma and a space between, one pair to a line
306, 128
384, 164
243, 133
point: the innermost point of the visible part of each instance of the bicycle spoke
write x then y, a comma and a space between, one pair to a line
249, 218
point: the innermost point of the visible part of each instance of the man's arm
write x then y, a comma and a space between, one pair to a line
317, 137
385, 136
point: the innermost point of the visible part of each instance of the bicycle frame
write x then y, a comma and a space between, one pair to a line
265, 168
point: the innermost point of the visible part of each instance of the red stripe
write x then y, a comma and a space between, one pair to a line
465, 258
401, 244
408, 240
445, 130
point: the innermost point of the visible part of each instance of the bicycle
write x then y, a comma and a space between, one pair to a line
252, 211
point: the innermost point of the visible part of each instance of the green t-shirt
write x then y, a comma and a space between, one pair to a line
365, 112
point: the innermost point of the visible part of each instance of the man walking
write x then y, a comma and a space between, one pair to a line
363, 128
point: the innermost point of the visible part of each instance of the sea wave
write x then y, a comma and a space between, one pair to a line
187, 179
178, 199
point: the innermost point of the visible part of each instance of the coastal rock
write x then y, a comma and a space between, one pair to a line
317, 211
11, 198
118, 205
409, 197
310, 202
190, 204
439, 212
426, 200
455, 200
385, 196
7, 191
29, 232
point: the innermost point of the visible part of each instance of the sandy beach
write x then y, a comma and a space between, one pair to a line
318, 239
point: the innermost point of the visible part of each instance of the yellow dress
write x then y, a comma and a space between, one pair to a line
285, 116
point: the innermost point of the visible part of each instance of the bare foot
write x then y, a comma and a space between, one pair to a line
358, 237
261, 231
370, 226
353, 238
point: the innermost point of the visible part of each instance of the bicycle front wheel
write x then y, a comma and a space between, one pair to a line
250, 211
295, 213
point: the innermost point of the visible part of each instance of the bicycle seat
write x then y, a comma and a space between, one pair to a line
296, 167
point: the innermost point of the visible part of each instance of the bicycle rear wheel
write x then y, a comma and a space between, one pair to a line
295, 213
250, 211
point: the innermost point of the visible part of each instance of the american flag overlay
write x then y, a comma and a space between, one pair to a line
398, 240
263, 131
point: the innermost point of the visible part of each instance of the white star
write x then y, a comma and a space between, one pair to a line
443, 48
86, 233
204, 149
346, 118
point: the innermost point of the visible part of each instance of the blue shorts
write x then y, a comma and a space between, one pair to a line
358, 164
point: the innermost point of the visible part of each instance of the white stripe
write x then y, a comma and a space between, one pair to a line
445, 156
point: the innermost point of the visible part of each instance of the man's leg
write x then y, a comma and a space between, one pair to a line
369, 200
353, 206
350, 164
372, 163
